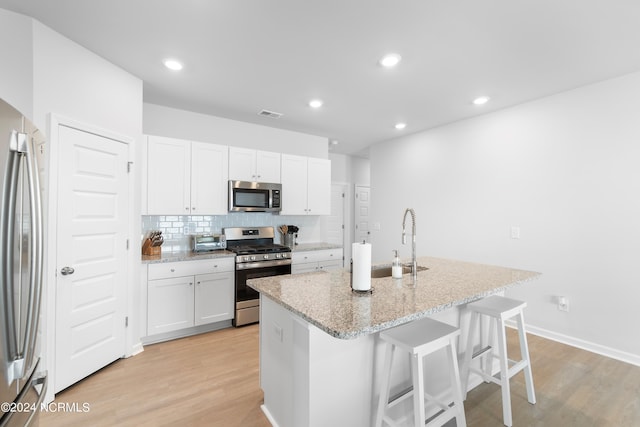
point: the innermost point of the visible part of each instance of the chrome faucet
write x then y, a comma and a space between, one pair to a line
414, 263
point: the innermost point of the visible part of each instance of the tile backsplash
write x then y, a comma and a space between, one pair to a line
177, 229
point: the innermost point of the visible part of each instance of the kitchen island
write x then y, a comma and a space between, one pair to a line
319, 352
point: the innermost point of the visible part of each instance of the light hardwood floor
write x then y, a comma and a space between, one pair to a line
212, 380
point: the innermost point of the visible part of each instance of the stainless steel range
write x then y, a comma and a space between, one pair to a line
256, 256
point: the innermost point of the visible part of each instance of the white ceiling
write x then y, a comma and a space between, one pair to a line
242, 56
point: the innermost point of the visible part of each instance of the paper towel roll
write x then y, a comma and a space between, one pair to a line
361, 253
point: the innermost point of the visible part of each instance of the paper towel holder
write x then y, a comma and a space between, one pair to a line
357, 291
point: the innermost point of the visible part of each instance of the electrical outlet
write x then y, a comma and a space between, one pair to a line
515, 232
563, 303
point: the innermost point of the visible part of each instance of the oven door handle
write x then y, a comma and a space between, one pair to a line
261, 264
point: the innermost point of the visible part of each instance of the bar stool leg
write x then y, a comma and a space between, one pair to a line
487, 359
455, 384
418, 395
504, 374
524, 350
466, 367
386, 379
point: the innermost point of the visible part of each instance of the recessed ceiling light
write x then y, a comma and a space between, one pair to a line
400, 126
481, 100
390, 60
173, 64
315, 103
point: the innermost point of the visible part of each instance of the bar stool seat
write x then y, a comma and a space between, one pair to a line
419, 338
498, 309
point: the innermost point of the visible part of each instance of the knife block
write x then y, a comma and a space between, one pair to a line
147, 249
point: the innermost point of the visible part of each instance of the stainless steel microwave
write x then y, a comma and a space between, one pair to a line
247, 196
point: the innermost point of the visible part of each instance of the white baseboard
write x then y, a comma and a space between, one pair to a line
633, 359
268, 415
137, 349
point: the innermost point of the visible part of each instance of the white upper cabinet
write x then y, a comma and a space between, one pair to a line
168, 176
253, 165
209, 170
306, 185
186, 178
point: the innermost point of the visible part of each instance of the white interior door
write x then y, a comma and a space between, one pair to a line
91, 281
363, 232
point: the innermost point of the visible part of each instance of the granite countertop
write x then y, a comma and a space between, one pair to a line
302, 247
325, 299
190, 256
185, 256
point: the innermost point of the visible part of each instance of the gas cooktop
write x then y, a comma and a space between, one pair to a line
259, 249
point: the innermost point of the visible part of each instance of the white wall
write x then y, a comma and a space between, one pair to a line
361, 171
565, 169
72, 81
16, 72
171, 122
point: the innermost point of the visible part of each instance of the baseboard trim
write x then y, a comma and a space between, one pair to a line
137, 349
602, 350
267, 414
183, 333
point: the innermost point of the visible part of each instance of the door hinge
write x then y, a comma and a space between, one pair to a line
126, 321
129, 167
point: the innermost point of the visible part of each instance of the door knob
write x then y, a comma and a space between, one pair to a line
66, 271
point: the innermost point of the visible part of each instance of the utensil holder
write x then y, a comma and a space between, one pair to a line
289, 240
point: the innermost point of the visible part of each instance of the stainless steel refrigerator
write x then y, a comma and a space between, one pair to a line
22, 383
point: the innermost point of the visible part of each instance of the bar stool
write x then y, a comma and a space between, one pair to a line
498, 309
419, 338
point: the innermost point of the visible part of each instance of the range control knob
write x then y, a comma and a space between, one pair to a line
265, 256
253, 258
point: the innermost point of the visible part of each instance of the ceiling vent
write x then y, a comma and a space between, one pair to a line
270, 114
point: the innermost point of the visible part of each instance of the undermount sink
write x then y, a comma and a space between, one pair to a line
377, 273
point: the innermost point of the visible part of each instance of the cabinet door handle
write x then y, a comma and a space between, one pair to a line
173, 270
193, 208
187, 208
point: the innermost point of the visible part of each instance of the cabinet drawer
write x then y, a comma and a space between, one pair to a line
316, 256
166, 270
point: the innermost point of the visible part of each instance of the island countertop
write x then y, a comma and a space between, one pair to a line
325, 299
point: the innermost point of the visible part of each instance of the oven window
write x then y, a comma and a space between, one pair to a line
251, 198
244, 292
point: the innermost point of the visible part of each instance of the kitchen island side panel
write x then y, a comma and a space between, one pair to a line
311, 379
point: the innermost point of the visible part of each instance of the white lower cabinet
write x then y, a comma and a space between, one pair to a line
170, 304
308, 261
184, 294
213, 298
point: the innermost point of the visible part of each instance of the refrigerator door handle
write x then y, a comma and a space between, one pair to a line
9, 195
35, 289
21, 359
